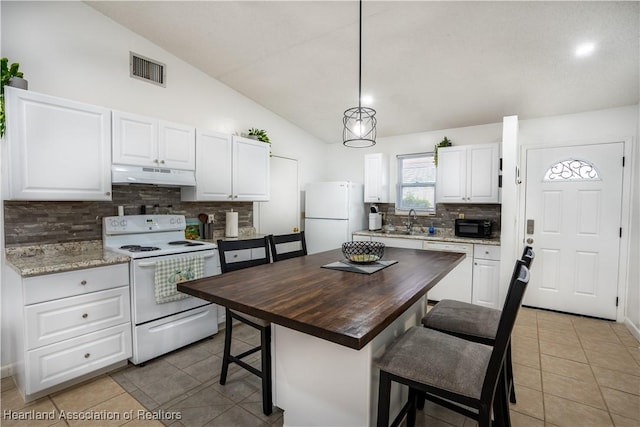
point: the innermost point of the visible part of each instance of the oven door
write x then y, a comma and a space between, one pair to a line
143, 300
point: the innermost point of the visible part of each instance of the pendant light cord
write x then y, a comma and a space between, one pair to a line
360, 60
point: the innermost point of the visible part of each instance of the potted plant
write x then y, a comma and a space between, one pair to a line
446, 142
259, 134
11, 76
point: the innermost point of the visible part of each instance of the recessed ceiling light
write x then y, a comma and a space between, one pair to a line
366, 99
585, 49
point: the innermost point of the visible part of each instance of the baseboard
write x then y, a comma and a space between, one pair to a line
6, 371
635, 331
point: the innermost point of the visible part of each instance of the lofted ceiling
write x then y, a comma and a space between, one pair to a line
427, 65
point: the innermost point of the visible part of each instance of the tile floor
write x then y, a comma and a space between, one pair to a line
569, 371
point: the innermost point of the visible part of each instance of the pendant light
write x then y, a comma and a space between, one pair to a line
359, 122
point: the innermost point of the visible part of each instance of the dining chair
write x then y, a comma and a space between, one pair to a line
282, 244
464, 376
474, 323
236, 255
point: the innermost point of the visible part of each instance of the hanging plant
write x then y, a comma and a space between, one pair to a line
446, 142
259, 134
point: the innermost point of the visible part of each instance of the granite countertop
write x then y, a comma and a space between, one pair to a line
36, 260
441, 235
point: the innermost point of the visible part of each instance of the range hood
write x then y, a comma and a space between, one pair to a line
125, 174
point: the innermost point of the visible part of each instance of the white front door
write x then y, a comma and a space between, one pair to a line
573, 218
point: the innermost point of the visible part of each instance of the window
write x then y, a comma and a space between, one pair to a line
571, 170
416, 183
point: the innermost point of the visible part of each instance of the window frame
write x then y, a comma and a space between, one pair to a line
399, 209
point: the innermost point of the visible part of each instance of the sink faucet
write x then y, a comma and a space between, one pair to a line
410, 219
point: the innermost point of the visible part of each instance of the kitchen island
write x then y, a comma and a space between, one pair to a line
329, 325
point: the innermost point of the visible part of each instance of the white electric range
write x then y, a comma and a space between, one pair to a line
148, 239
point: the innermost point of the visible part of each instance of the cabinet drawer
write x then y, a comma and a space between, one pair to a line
54, 364
61, 319
70, 283
489, 252
398, 242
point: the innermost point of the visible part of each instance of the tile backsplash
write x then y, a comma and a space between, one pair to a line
35, 223
445, 216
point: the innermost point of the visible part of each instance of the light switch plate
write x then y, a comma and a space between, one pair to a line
460, 215
211, 218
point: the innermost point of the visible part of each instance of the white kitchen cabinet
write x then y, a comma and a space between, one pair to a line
486, 275
56, 149
79, 327
147, 141
376, 178
457, 283
229, 168
468, 174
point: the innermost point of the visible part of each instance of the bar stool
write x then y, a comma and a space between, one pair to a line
464, 376
474, 323
231, 259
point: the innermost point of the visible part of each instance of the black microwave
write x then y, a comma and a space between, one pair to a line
473, 228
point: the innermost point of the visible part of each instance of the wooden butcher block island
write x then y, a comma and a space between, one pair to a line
329, 325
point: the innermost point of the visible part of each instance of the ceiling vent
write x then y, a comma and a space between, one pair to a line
147, 69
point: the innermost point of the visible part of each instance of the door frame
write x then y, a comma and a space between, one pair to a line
625, 220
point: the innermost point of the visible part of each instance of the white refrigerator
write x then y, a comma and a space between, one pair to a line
333, 211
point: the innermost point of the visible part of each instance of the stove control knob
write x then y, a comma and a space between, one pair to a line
123, 222
114, 222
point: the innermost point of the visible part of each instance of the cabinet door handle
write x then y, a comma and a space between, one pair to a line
87, 355
108, 193
85, 315
83, 283
162, 162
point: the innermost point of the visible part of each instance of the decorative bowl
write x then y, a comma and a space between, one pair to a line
363, 252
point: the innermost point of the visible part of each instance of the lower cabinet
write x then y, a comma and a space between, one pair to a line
79, 326
457, 284
486, 275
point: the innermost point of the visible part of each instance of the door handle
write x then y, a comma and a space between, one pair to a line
529, 240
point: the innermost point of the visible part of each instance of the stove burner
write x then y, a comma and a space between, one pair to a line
185, 243
138, 248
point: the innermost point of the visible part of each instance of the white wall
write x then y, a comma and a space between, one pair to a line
70, 50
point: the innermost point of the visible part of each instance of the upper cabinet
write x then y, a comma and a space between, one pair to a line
376, 178
146, 141
229, 168
56, 149
468, 174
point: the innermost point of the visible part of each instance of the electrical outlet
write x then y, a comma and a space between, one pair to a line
460, 215
211, 218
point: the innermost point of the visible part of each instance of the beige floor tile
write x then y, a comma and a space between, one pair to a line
634, 351
39, 413
528, 344
7, 384
565, 351
566, 413
525, 332
529, 402
599, 344
527, 316
618, 361
144, 423
116, 411
527, 358
559, 335
527, 376
567, 368
625, 404
587, 393
620, 421
522, 420
617, 380
87, 395
443, 414
236, 416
